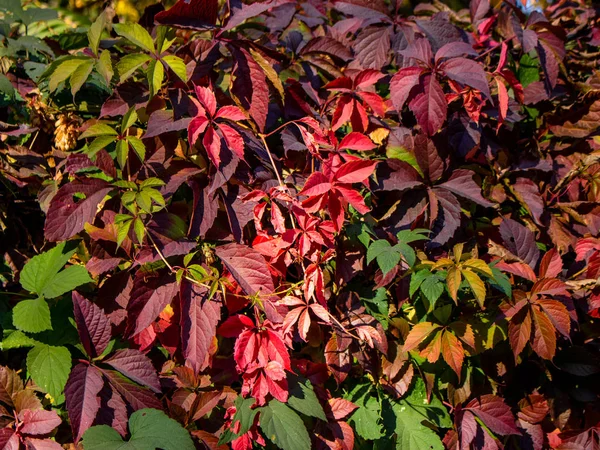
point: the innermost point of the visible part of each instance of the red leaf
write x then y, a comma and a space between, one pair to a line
551, 264
42, 444
518, 268
212, 144
9, 440
199, 319
355, 171
230, 112
234, 325
248, 268
367, 78
338, 359
534, 408
151, 294
192, 14
372, 46
316, 184
418, 334
519, 331
81, 394
402, 85
558, 315
66, 216
356, 141
429, 105
38, 422
544, 338
343, 112
549, 286
136, 366
453, 352
502, 102
93, 325
341, 408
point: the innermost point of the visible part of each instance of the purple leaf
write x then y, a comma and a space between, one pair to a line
151, 293
246, 12
199, 319
250, 86
81, 394
520, 241
428, 158
136, 396
113, 410
468, 72
67, 215
494, 413
448, 218
248, 268
461, 183
327, 45
42, 444
429, 106
395, 175
136, 366
162, 121
93, 325
372, 47
528, 193
455, 49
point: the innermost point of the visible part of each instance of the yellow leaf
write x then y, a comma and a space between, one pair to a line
378, 135
453, 280
443, 263
477, 286
478, 265
458, 251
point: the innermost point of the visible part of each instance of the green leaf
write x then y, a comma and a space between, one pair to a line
64, 70
529, 70
32, 316
136, 34
129, 119
366, 418
138, 147
139, 229
150, 429
155, 74
417, 279
433, 411
39, 271
407, 251
303, 398
411, 434
66, 281
129, 64
95, 32
49, 368
99, 129
387, 256
432, 287
17, 339
122, 152
6, 86
284, 427
177, 65
104, 66
408, 236
98, 144
80, 75
151, 182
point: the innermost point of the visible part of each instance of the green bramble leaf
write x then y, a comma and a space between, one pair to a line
49, 368
282, 426
150, 429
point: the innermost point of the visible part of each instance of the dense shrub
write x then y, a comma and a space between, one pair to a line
345, 224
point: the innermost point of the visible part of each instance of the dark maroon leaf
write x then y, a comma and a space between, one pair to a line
151, 294
136, 396
494, 413
519, 240
136, 366
429, 105
68, 213
372, 47
199, 318
162, 121
248, 268
81, 394
193, 14
461, 183
93, 325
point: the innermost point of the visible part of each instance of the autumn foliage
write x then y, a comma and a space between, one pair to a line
314, 224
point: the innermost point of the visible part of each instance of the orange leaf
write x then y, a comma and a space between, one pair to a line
453, 352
